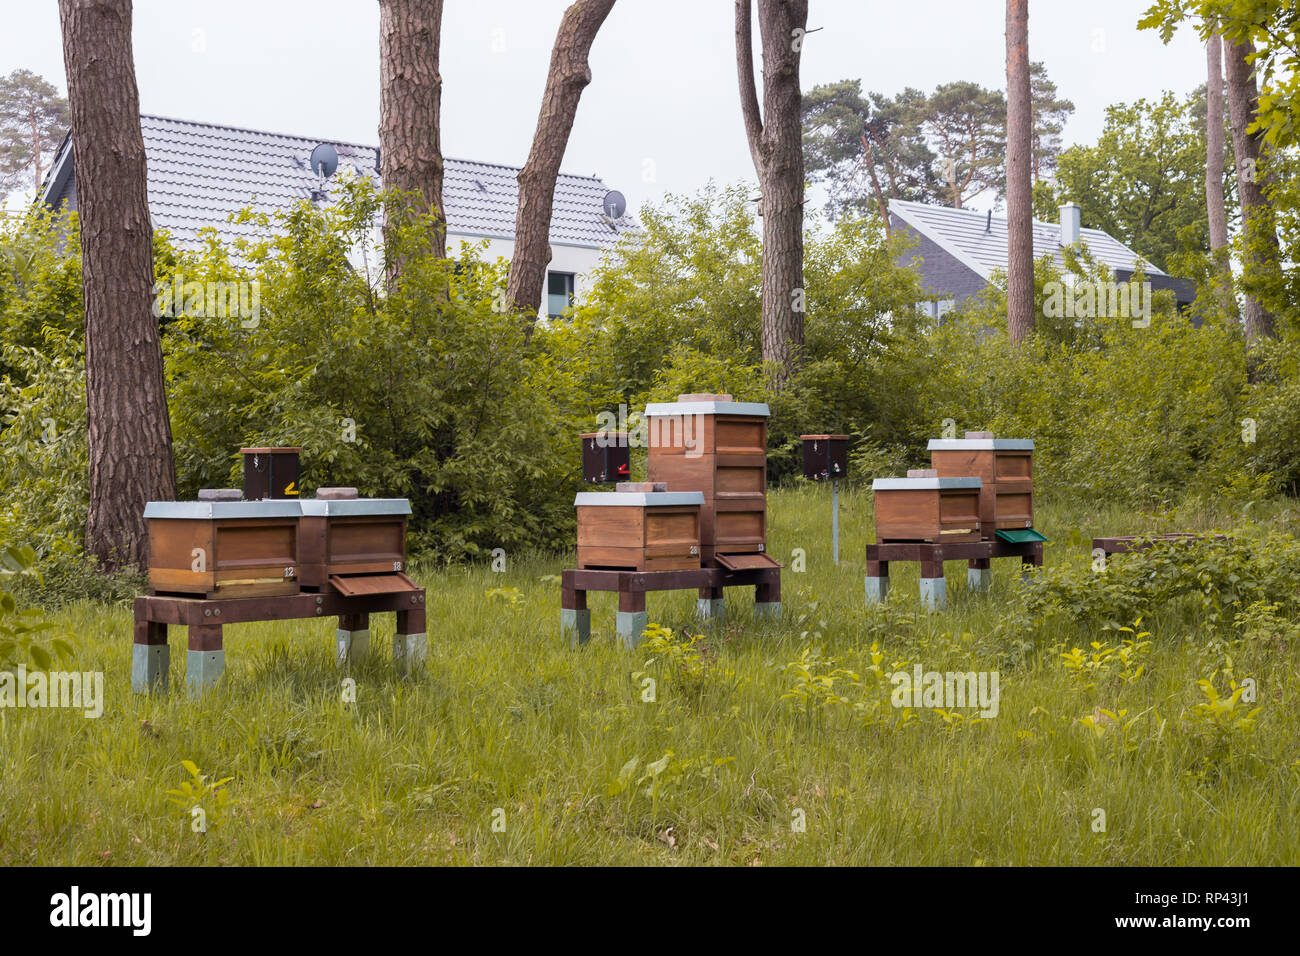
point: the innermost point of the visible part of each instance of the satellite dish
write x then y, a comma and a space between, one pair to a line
324, 160
614, 204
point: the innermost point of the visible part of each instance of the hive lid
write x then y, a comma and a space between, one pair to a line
343, 508
981, 444
750, 409
636, 499
823, 437
912, 484
288, 449
208, 510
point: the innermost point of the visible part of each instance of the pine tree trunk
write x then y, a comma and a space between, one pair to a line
567, 77
776, 144
410, 95
1214, 203
130, 442
1261, 256
1020, 226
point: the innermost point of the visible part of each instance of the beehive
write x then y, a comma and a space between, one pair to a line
718, 447
639, 530
825, 456
270, 472
223, 548
929, 508
353, 543
606, 457
1006, 468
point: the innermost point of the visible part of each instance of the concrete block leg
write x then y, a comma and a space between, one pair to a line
711, 607
767, 595
575, 624
352, 642
150, 658
632, 618
934, 593
575, 618
877, 589
205, 661
979, 579
410, 643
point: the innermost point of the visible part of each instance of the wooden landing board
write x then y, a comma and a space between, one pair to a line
357, 585
746, 562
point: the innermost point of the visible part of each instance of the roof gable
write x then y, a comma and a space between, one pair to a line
962, 233
200, 173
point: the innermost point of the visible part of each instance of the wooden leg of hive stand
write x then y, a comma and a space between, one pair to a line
767, 594
352, 643
150, 656
575, 617
632, 618
979, 574
205, 661
934, 590
1034, 559
411, 643
877, 581
711, 605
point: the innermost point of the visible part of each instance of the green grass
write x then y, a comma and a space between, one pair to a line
510, 723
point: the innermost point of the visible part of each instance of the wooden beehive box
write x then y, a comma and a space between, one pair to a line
223, 548
640, 530
1006, 468
343, 540
927, 509
718, 447
825, 456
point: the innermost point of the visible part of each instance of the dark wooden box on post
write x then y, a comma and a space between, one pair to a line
640, 527
1005, 466
357, 545
825, 456
926, 507
606, 457
270, 473
718, 447
223, 548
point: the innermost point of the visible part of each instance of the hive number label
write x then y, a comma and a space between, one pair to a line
397, 565
694, 549
288, 572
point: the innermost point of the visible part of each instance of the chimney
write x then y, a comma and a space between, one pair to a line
1070, 224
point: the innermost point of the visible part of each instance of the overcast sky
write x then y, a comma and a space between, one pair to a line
662, 113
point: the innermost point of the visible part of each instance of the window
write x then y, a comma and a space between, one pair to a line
559, 293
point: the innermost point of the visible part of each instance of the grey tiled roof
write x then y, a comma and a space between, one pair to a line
961, 232
200, 173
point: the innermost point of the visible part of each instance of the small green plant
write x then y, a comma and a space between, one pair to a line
818, 685
683, 660
511, 596
1122, 662
26, 637
205, 802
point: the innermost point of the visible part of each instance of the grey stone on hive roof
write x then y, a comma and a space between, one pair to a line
201, 173
961, 232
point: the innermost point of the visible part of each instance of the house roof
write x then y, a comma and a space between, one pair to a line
962, 233
200, 173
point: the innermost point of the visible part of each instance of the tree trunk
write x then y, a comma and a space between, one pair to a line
1214, 204
130, 441
1260, 259
1020, 215
776, 145
567, 77
410, 95
881, 203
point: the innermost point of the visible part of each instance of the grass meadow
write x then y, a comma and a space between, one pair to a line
767, 742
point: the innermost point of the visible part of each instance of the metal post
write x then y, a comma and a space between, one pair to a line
835, 520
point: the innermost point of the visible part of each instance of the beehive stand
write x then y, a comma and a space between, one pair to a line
205, 619
218, 561
575, 616
932, 555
